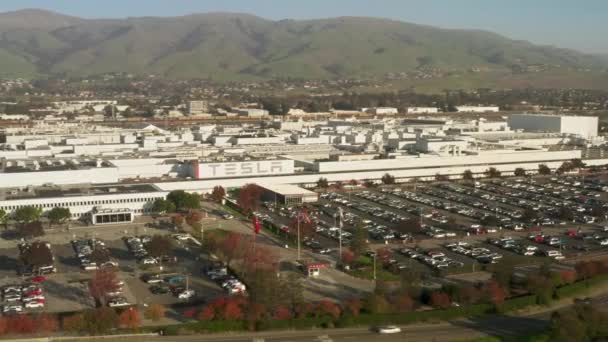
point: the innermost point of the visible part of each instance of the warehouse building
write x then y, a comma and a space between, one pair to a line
583, 126
288, 194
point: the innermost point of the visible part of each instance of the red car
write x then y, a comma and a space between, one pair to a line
38, 279
572, 233
538, 238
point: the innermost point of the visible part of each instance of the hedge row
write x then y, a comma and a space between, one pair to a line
580, 287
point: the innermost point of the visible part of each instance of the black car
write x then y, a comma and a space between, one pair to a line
159, 289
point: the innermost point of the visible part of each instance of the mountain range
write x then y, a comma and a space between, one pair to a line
229, 46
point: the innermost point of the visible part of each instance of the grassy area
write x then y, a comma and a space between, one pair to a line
531, 338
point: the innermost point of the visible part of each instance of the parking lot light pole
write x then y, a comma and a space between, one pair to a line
375, 253
298, 237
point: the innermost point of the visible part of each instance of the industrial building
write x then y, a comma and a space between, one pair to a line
585, 127
288, 194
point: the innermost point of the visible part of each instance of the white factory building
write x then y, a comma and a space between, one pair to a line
106, 175
477, 109
422, 110
583, 126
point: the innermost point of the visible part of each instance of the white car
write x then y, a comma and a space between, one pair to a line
12, 308
149, 261
604, 242
33, 298
186, 294
118, 303
389, 329
35, 304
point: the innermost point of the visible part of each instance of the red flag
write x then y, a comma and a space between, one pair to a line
257, 225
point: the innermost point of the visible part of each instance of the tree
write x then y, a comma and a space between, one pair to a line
368, 183
441, 178
568, 276
31, 229
577, 163
47, 323
440, 299
494, 293
541, 287
99, 321
529, 215
73, 323
184, 201
358, 243
27, 214
250, 197
155, 312
388, 179
376, 303
492, 173
282, 313
218, 193
194, 217
402, 302
102, 283
159, 246
322, 183
163, 206
467, 175
232, 247
326, 307
3, 216
544, 170
21, 324
353, 306
178, 220
58, 215
36, 255
347, 257
207, 314
519, 172
490, 220
99, 256
129, 318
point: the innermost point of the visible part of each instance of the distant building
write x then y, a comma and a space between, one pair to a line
198, 107
422, 110
477, 109
382, 111
583, 126
251, 112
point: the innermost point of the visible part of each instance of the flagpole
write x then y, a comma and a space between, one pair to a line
299, 237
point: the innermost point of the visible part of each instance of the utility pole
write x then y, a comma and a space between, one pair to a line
340, 235
299, 254
375, 253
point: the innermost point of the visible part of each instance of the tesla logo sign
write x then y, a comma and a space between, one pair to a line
242, 169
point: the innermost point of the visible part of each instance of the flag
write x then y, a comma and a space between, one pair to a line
257, 225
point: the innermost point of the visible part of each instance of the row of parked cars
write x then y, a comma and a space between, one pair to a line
92, 254
170, 283
17, 298
434, 259
222, 276
481, 254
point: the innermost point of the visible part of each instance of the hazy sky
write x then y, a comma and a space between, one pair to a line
578, 24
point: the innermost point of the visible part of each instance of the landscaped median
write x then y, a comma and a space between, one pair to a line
364, 319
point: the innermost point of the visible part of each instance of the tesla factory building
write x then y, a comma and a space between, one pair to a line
243, 168
583, 126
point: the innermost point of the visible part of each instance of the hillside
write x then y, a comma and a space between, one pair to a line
227, 46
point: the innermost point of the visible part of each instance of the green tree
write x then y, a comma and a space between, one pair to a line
163, 206
577, 163
519, 172
183, 200
58, 215
27, 214
492, 173
218, 193
467, 175
358, 244
544, 170
3, 217
388, 179
322, 183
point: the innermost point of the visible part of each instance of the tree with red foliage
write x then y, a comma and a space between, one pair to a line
129, 318
255, 311
568, 276
303, 310
469, 295
587, 269
178, 220
282, 313
329, 308
73, 323
3, 326
103, 282
353, 306
21, 324
384, 255
194, 217
189, 313
494, 293
347, 257
232, 247
218, 193
263, 258
207, 314
155, 312
232, 310
440, 299
47, 323
402, 302
250, 197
